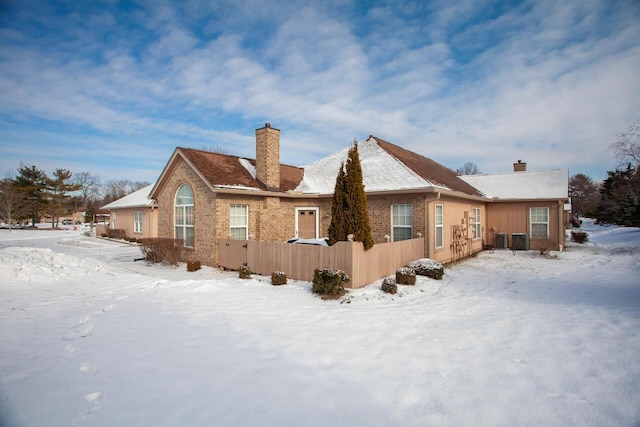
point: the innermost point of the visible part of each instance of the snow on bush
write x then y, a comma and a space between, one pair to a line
428, 267
405, 276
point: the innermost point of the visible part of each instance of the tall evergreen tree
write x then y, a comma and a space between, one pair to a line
339, 207
620, 198
58, 193
350, 214
32, 183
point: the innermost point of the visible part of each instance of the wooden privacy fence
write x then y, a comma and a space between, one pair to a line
299, 261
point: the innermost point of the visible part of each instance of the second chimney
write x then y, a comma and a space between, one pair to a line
268, 157
520, 166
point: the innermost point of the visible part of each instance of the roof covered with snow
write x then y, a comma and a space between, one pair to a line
549, 184
135, 199
385, 167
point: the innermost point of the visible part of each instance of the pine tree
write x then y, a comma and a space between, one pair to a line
349, 212
32, 182
337, 228
58, 189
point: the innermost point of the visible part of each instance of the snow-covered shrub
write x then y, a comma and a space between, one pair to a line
244, 272
162, 249
389, 285
329, 283
428, 267
579, 236
405, 276
193, 265
278, 278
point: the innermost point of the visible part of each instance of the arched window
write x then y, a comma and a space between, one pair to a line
183, 215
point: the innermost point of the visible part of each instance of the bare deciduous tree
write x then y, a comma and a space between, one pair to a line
12, 206
627, 145
469, 168
89, 185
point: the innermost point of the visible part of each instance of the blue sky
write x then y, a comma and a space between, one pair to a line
112, 87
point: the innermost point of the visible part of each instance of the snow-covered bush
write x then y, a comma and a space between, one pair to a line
278, 278
389, 285
329, 283
405, 276
244, 272
579, 236
428, 267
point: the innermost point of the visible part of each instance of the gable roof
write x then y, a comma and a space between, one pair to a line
139, 198
549, 184
231, 172
385, 167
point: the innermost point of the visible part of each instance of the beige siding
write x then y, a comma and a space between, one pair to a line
513, 217
125, 221
456, 212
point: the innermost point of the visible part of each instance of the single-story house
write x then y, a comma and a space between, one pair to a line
204, 197
135, 213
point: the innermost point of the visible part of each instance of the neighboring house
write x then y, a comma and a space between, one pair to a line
135, 213
205, 197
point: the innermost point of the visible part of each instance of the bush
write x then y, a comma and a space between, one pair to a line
278, 278
329, 283
193, 265
162, 249
579, 236
545, 246
389, 285
116, 233
405, 276
428, 267
244, 272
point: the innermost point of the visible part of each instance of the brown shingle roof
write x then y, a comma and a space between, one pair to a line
223, 169
427, 168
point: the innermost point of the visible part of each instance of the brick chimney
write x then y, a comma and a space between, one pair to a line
268, 157
520, 166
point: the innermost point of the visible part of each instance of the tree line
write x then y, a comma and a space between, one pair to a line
617, 199
30, 195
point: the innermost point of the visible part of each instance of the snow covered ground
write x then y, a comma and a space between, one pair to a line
90, 337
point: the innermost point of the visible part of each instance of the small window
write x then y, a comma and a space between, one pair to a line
539, 222
476, 224
402, 222
439, 226
239, 222
137, 222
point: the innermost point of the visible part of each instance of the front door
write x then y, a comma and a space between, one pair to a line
307, 223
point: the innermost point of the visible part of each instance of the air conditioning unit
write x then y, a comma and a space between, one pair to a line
502, 241
520, 242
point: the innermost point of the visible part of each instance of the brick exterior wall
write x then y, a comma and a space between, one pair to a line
268, 156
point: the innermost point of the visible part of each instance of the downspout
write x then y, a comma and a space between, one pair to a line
429, 223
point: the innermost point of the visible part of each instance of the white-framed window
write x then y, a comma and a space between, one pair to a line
137, 222
183, 218
114, 217
439, 225
239, 222
475, 224
402, 222
539, 222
